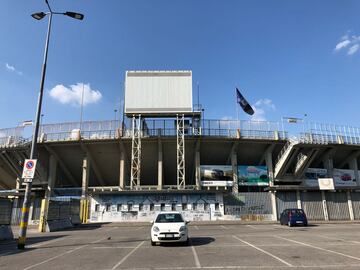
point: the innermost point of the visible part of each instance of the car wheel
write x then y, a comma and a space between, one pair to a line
153, 243
289, 224
305, 224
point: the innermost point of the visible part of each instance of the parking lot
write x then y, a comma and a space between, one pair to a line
229, 246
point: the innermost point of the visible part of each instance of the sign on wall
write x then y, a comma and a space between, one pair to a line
216, 175
344, 178
253, 176
312, 175
341, 177
326, 183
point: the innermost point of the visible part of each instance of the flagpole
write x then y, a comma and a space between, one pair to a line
237, 110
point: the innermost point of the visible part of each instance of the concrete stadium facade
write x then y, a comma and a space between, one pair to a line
93, 161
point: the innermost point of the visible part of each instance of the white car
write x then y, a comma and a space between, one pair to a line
169, 227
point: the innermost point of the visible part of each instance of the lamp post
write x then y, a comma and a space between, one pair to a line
33, 153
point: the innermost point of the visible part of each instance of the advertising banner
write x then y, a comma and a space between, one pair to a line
253, 176
344, 178
216, 175
312, 175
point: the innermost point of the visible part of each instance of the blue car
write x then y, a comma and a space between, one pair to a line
293, 217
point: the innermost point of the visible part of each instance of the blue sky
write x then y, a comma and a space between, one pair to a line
289, 58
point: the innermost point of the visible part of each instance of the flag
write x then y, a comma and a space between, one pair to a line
243, 103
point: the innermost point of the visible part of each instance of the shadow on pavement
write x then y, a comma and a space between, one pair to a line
201, 241
85, 227
9, 247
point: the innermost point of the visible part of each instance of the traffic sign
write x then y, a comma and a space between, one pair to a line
29, 169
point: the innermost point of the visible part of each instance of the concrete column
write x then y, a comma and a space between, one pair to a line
269, 165
197, 169
160, 165
351, 210
85, 177
273, 204
235, 189
298, 199
51, 177
329, 166
18, 184
354, 166
122, 170
326, 215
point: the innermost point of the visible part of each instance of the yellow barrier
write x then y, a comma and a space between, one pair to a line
84, 213
43, 215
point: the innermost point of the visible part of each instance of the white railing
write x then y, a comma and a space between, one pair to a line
313, 133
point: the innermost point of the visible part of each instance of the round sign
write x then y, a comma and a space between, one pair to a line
29, 165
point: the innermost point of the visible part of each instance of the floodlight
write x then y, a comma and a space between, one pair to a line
38, 15
74, 15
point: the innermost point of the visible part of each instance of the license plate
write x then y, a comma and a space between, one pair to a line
299, 222
169, 236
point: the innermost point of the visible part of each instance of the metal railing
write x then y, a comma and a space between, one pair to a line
313, 133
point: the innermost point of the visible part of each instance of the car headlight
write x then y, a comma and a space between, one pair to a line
156, 229
182, 229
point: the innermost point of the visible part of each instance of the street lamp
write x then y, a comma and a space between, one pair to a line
33, 153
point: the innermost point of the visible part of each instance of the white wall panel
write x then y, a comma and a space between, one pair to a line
158, 92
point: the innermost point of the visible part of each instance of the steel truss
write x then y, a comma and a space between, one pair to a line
135, 153
180, 153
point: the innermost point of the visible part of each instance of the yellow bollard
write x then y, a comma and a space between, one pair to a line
43, 215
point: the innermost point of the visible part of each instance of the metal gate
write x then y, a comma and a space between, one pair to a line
355, 197
5, 211
63, 208
312, 205
249, 205
285, 200
16, 210
337, 206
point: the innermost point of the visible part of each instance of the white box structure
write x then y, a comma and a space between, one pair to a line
158, 92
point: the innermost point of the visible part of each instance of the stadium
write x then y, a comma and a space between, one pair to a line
164, 156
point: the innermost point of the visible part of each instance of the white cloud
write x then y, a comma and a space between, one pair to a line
342, 44
351, 44
12, 69
73, 94
261, 107
353, 49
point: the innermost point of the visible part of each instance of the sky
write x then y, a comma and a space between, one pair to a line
288, 58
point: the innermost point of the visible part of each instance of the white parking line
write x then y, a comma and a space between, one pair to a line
127, 256
137, 229
264, 251
47, 242
62, 254
251, 226
319, 248
111, 247
336, 266
339, 239
222, 226
196, 258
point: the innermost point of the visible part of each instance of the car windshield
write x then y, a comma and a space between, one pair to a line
165, 218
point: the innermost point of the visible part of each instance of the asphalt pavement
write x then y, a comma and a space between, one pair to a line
212, 246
